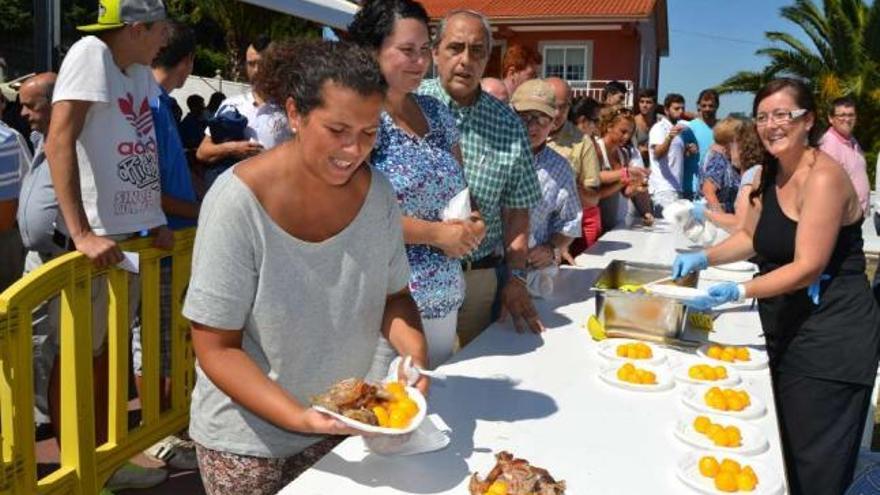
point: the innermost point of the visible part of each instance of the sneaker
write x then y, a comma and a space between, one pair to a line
134, 476
175, 452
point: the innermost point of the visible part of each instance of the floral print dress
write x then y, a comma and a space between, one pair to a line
425, 176
726, 178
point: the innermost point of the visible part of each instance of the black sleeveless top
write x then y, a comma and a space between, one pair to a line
838, 339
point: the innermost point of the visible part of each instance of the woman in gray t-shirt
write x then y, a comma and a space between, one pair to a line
298, 266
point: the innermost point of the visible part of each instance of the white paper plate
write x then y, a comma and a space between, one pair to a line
676, 292
753, 439
693, 398
688, 471
681, 374
413, 393
433, 434
737, 266
664, 378
759, 359
608, 350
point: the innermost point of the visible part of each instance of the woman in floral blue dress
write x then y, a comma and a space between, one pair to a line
720, 177
417, 150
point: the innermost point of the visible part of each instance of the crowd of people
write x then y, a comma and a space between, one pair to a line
402, 216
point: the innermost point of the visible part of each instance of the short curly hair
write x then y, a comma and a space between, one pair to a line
375, 20
299, 70
751, 149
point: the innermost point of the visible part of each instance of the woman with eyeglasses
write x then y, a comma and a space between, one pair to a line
623, 173
417, 149
817, 311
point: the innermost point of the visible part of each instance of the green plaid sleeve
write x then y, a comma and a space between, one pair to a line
522, 189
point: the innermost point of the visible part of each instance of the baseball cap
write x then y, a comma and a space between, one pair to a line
534, 94
113, 14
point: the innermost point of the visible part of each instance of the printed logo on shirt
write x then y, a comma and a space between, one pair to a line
141, 120
139, 165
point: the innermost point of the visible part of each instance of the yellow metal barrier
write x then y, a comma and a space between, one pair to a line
85, 467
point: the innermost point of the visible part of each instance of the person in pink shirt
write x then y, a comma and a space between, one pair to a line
840, 143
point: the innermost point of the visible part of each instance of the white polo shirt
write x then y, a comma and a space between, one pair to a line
666, 171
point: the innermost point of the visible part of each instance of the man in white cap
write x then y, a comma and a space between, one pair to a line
101, 150
556, 221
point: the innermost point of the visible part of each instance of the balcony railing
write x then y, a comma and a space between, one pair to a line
593, 88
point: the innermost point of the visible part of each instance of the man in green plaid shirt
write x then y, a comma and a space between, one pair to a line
499, 171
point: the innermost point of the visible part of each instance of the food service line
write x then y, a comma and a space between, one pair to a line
540, 398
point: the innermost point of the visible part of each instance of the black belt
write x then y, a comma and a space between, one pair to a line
63, 241
486, 262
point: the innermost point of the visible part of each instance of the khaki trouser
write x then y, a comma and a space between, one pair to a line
476, 312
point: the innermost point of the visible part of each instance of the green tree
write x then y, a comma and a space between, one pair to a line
841, 57
237, 23
15, 17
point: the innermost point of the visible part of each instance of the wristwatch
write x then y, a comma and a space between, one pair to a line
520, 274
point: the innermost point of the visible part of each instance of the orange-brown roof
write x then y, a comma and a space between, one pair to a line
544, 9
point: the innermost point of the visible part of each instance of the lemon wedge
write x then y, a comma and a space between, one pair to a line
596, 329
629, 288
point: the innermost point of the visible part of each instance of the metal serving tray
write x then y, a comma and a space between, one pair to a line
639, 314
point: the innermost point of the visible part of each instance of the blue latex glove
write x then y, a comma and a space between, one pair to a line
686, 263
813, 291
699, 211
718, 294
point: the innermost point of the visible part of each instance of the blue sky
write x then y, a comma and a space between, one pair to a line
713, 39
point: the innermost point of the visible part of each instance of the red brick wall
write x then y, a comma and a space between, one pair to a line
615, 53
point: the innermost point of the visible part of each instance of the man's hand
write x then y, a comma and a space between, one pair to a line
542, 256
164, 238
456, 238
102, 251
516, 301
691, 149
638, 174
675, 131
477, 226
242, 148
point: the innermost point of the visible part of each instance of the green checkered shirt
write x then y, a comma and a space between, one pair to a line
498, 161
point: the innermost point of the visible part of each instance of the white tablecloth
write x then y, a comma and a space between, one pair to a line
540, 398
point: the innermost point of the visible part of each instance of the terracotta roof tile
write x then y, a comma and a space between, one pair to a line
544, 8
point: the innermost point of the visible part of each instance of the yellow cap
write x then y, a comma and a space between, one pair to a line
114, 14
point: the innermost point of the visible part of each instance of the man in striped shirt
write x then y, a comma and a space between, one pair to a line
499, 168
14, 159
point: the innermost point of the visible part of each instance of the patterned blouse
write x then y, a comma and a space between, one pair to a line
425, 175
721, 172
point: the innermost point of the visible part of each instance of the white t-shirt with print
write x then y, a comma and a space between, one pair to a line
667, 171
267, 123
116, 150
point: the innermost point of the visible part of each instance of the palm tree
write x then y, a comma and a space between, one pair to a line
842, 57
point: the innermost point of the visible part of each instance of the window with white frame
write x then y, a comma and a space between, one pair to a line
567, 61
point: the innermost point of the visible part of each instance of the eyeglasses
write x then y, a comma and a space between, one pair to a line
779, 116
535, 118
